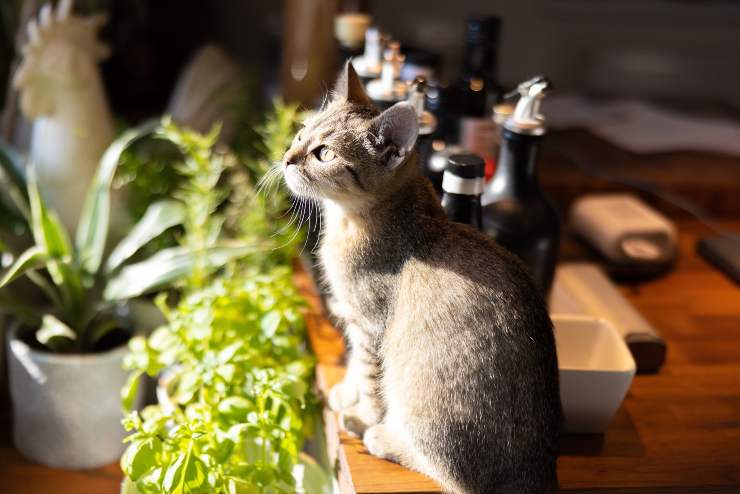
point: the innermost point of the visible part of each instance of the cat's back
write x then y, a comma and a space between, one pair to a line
455, 261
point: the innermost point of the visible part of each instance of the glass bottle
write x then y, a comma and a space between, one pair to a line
462, 185
478, 89
516, 212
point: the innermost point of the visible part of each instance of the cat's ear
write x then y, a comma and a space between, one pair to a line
349, 87
396, 130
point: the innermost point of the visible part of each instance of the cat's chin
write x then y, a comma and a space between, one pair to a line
295, 182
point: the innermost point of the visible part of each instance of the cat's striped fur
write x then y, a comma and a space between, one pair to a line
453, 370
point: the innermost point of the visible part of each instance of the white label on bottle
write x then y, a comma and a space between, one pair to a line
478, 136
459, 185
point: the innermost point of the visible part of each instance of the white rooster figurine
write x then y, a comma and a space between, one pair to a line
62, 92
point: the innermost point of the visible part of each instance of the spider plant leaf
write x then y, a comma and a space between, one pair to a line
48, 231
33, 258
55, 335
50, 235
159, 217
92, 228
166, 267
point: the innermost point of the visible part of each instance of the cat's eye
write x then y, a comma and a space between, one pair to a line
324, 154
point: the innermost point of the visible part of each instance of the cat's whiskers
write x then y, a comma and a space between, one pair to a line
293, 215
297, 229
266, 179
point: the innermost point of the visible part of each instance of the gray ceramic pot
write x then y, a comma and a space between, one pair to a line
66, 408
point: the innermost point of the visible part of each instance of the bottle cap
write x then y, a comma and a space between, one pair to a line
464, 174
527, 118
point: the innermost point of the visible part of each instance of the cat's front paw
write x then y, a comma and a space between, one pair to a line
352, 424
357, 419
343, 396
380, 443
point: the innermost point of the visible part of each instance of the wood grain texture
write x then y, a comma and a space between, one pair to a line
677, 431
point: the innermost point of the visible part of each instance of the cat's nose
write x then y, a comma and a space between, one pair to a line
291, 158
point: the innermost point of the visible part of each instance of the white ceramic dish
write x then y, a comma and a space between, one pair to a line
596, 370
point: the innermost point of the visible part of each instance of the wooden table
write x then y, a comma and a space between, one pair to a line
677, 431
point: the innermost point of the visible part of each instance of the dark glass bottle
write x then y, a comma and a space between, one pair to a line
516, 212
478, 89
462, 185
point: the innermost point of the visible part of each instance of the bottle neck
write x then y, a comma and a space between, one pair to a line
516, 168
463, 208
481, 61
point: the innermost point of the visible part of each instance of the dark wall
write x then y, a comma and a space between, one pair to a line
678, 49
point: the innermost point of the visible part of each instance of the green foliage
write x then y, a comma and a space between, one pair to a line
235, 400
261, 211
82, 294
147, 174
237, 376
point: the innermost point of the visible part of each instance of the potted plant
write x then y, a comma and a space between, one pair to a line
235, 401
65, 364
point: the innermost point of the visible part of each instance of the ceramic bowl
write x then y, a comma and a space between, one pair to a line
596, 371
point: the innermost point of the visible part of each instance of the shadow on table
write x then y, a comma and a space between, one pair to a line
620, 440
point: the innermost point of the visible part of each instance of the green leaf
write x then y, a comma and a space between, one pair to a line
186, 475
270, 323
33, 258
187, 386
92, 228
48, 231
159, 217
310, 477
130, 391
140, 457
54, 334
151, 482
239, 486
166, 267
235, 407
52, 238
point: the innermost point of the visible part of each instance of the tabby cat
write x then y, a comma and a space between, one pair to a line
453, 370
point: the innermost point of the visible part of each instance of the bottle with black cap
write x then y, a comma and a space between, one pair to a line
462, 185
516, 212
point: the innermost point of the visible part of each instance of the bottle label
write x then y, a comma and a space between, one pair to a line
458, 185
479, 136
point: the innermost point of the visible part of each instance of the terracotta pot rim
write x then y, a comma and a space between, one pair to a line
16, 344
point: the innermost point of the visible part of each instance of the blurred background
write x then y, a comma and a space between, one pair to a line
683, 55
